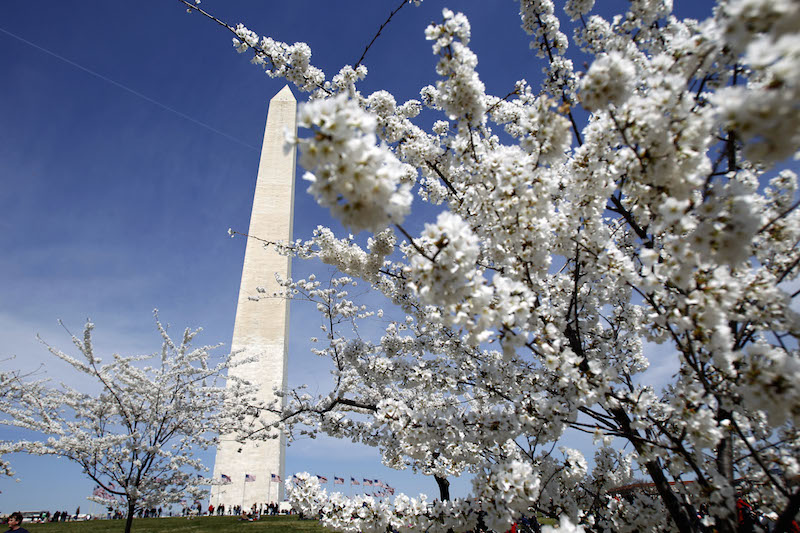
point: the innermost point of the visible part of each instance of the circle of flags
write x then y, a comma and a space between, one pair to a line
383, 488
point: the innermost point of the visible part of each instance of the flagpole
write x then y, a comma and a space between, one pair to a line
244, 487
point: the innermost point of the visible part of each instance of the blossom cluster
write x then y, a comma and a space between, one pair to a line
765, 110
361, 182
460, 90
279, 59
609, 80
446, 274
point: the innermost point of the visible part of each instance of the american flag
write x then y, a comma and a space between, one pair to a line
367, 482
275, 478
322, 479
338, 480
249, 477
354, 481
390, 490
225, 478
378, 483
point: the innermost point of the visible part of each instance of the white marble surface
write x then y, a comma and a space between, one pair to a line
261, 327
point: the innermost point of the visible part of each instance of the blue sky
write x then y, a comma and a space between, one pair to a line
124, 161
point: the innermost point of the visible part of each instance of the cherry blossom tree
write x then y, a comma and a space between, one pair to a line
12, 384
137, 433
642, 203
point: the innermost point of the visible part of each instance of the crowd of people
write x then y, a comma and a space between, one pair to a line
255, 512
47, 516
15, 519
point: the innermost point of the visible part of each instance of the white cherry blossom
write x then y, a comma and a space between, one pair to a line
137, 436
637, 212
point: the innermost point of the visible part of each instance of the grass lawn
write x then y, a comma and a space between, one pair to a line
203, 524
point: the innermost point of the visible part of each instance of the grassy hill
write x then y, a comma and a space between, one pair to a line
203, 524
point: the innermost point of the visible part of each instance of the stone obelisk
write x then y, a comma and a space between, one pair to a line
246, 471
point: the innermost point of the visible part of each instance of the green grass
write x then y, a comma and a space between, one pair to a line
203, 524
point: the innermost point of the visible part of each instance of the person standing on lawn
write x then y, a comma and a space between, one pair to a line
14, 521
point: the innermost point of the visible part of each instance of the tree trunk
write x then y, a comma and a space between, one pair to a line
726, 522
784, 522
444, 488
677, 511
129, 520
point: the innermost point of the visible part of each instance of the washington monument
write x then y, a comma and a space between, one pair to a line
253, 472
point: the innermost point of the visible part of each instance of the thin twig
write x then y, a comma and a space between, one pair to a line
503, 99
444, 180
207, 14
415, 245
789, 269
256, 49
234, 232
628, 216
757, 458
398, 8
777, 218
